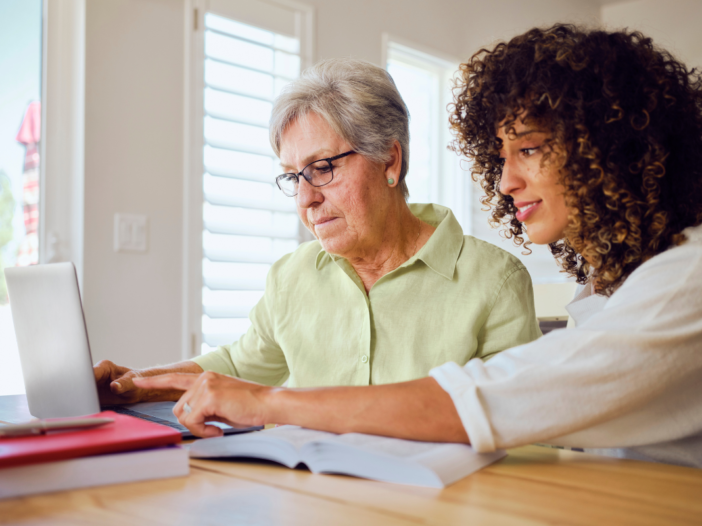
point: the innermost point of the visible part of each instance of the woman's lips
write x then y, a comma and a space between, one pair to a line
526, 209
324, 222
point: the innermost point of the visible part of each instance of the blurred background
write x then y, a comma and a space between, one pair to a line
133, 142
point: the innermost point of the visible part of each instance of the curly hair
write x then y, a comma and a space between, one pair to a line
627, 117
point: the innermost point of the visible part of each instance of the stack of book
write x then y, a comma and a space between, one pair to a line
126, 450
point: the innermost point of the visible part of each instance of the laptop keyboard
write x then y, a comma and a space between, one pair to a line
187, 434
156, 420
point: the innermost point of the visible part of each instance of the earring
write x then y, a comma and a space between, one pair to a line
391, 181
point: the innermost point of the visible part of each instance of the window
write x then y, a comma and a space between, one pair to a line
425, 81
438, 175
247, 223
20, 135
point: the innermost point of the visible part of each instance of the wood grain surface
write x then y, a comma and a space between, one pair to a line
532, 486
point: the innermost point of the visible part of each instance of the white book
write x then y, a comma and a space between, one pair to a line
368, 456
98, 470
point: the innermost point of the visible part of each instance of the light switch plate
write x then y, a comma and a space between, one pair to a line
130, 233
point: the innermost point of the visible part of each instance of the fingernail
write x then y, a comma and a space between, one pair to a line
117, 386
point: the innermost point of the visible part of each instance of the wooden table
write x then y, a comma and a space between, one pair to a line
533, 485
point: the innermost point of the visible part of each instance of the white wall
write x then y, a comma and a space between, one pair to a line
354, 29
672, 24
133, 163
455, 27
487, 22
133, 137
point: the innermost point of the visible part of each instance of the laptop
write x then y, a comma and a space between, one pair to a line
55, 353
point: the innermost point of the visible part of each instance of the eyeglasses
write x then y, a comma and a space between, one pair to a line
317, 173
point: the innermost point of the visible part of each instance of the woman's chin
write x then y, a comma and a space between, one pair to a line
334, 238
334, 245
544, 239
543, 236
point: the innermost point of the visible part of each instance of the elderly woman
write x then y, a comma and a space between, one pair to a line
387, 291
593, 142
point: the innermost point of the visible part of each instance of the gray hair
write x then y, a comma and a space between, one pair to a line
359, 101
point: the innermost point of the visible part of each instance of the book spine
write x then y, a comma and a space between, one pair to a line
93, 471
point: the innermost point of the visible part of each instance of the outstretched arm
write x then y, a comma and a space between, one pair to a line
418, 410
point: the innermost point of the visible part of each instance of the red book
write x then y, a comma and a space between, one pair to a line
126, 433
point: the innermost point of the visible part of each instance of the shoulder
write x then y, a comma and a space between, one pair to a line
489, 260
676, 270
658, 306
679, 263
664, 291
694, 234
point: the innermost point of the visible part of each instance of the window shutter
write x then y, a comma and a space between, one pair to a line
248, 223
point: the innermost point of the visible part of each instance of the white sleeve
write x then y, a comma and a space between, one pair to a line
630, 375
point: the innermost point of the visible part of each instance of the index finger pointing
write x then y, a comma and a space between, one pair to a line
182, 381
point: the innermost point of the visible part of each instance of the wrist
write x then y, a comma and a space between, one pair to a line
272, 402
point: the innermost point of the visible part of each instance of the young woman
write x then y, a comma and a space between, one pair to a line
591, 142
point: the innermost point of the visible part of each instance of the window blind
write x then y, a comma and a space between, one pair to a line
248, 222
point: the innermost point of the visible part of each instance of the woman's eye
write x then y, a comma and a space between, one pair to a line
528, 152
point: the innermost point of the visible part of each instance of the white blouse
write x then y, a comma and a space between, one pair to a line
625, 381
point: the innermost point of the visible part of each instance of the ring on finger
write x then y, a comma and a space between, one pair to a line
186, 408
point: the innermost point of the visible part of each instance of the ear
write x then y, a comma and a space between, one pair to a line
393, 166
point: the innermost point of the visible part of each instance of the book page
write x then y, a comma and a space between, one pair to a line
390, 446
296, 436
280, 444
391, 459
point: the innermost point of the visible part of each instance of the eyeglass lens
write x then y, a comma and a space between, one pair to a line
318, 173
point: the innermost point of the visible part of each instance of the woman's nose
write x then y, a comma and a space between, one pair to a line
307, 195
511, 179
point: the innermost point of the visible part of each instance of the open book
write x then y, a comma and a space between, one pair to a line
367, 456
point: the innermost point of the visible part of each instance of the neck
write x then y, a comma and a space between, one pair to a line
403, 236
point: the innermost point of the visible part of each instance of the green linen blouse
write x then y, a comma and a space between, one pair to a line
457, 299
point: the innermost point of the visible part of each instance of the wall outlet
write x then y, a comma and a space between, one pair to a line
130, 233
